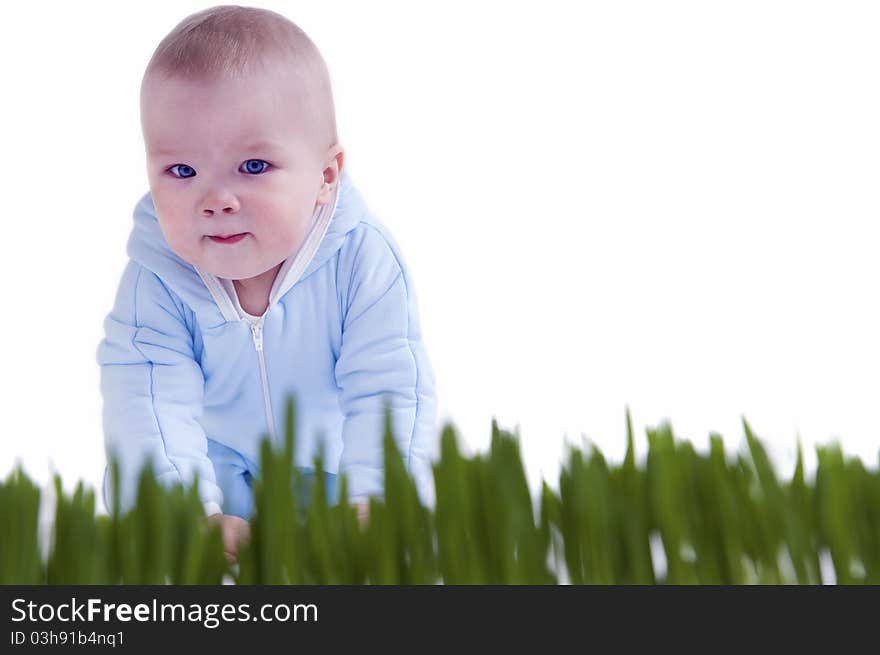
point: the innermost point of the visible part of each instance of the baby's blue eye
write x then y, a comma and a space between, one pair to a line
254, 166
255, 169
185, 171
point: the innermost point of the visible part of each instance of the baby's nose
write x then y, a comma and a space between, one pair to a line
219, 201
209, 210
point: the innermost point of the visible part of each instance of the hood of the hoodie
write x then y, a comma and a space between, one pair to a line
203, 291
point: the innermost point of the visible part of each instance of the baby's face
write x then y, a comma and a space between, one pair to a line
231, 157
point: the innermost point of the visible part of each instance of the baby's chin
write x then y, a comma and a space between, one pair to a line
235, 261
229, 268
233, 272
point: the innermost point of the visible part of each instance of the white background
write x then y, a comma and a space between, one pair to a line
666, 205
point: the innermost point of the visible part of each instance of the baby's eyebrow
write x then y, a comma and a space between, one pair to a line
256, 145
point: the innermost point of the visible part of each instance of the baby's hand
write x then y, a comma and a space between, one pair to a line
363, 512
235, 531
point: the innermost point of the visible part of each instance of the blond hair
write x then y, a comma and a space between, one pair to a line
229, 41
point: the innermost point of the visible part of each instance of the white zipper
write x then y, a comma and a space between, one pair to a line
257, 332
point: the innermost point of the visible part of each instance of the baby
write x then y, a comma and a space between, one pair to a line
256, 272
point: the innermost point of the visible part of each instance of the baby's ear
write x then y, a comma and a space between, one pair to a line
333, 169
330, 176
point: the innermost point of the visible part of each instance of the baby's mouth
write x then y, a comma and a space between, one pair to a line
228, 238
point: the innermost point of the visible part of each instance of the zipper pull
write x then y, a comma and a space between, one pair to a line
257, 329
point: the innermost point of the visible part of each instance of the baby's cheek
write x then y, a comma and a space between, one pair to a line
184, 243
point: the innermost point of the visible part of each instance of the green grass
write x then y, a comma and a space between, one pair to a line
720, 519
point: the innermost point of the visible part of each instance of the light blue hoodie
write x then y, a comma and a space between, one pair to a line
193, 382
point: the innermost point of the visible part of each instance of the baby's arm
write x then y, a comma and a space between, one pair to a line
153, 391
382, 356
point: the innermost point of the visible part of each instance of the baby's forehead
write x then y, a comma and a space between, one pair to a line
277, 75
244, 94
269, 104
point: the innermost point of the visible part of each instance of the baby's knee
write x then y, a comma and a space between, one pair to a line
304, 493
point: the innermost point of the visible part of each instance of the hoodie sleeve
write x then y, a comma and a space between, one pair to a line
383, 356
153, 389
